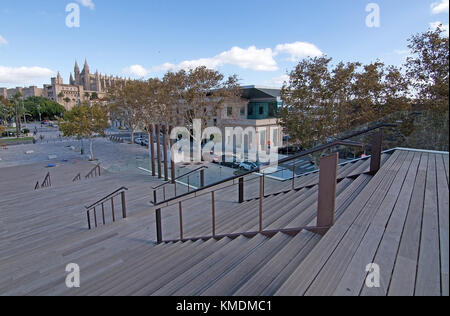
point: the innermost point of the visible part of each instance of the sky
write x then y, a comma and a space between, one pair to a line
258, 40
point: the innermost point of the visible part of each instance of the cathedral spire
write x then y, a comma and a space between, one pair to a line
86, 67
76, 68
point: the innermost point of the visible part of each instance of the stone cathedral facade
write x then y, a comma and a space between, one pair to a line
82, 86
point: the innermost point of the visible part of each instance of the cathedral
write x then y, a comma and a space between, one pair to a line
83, 86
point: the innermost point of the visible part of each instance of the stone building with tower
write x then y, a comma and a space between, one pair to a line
82, 86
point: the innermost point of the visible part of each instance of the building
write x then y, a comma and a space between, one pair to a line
26, 92
81, 87
258, 110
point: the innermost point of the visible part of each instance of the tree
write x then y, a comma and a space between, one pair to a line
204, 92
19, 111
6, 109
85, 121
40, 107
94, 96
428, 74
126, 103
67, 100
322, 100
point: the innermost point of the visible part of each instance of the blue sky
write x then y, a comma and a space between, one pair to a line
259, 40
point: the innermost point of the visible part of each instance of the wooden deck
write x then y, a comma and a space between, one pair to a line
397, 219
399, 222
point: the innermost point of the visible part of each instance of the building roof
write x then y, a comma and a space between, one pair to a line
260, 92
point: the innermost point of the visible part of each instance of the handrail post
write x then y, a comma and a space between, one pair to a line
375, 160
89, 220
124, 205
189, 184
103, 213
181, 220
202, 178
241, 190
261, 197
95, 218
293, 176
112, 210
213, 208
154, 197
327, 191
158, 226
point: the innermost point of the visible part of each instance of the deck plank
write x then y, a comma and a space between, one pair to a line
306, 273
403, 279
353, 280
428, 273
355, 245
443, 205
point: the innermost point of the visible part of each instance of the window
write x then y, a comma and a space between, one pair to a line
243, 111
261, 110
229, 111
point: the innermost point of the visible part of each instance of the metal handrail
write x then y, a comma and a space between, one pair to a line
256, 170
77, 177
179, 177
102, 202
375, 165
106, 198
340, 142
94, 170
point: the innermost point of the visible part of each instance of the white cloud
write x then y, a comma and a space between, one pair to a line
401, 51
87, 3
23, 75
299, 50
3, 41
136, 71
444, 27
440, 7
278, 81
249, 58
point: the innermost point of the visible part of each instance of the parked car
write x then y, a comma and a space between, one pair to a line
229, 161
138, 140
248, 166
290, 150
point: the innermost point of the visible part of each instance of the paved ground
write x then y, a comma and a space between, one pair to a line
114, 157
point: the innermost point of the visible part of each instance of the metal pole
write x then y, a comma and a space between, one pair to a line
261, 197
375, 161
213, 206
293, 176
181, 221
112, 208
89, 220
158, 226
124, 205
327, 190
103, 213
241, 190
202, 178
172, 161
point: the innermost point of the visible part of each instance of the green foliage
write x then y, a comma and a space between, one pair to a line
322, 100
85, 121
49, 109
